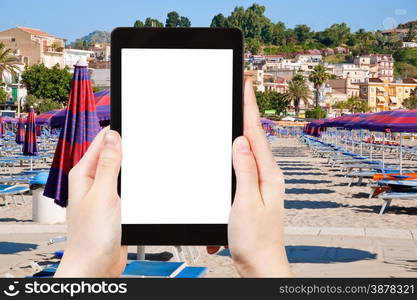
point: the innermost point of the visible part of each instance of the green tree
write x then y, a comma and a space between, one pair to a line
252, 45
41, 105
342, 105
45, 83
411, 34
404, 70
271, 100
219, 21
406, 55
318, 77
138, 24
298, 92
149, 22
184, 22
278, 34
410, 102
3, 96
173, 19
316, 113
47, 105
303, 33
354, 105
7, 62
335, 35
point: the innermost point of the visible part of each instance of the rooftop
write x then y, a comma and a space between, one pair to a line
34, 31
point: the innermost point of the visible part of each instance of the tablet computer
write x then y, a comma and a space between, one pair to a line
176, 100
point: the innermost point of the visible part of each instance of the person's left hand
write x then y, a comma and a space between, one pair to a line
93, 246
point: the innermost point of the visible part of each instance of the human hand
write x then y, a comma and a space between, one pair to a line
256, 225
93, 247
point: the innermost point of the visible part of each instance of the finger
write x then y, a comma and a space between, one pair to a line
244, 164
268, 171
81, 176
254, 132
87, 165
108, 164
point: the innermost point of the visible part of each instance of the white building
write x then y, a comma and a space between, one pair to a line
352, 71
72, 56
409, 44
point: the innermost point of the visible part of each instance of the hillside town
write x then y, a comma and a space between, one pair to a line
30, 47
368, 78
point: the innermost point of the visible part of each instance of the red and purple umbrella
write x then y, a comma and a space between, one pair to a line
45, 118
103, 105
56, 118
30, 147
80, 127
1, 128
20, 131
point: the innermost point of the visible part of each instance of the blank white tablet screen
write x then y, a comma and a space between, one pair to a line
177, 136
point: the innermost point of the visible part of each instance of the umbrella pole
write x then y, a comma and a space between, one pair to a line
383, 150
360, 137
401, 153
140, 253
371, 147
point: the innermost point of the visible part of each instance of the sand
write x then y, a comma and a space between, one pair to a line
316, 196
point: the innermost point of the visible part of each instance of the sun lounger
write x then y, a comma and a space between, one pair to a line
145, 269
13, 190
389, 196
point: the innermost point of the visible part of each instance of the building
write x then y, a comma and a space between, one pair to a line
278, 85
101, 51
379, 65
34, 46
409, 44
352, 71
383, 95
72, 56
100, 78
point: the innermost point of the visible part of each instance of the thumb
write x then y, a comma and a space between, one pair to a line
108, 164
245, 169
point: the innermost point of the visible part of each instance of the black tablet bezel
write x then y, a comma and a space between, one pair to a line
177, 38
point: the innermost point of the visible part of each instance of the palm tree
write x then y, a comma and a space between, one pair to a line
7, 62
298, 91
318, 77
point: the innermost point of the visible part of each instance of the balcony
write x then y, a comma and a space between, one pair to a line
54, 50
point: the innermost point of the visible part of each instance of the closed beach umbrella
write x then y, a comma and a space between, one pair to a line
80, 127
1, 128
20, 132
30, 147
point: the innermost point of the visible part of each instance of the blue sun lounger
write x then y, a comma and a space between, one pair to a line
12, 190
144, 269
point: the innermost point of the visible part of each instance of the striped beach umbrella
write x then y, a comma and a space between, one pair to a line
102, 99
45, 118
20, 131
1, 128
30, 147
80, 127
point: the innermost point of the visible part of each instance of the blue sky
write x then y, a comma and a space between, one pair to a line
76, 18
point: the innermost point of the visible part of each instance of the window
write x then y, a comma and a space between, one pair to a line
13, 40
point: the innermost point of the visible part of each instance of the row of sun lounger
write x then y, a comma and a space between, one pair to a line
386, 181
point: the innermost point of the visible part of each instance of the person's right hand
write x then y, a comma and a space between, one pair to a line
256, 225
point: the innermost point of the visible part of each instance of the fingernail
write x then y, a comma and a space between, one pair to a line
110, 139
243, 145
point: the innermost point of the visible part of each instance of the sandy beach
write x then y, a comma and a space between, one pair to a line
317, 199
